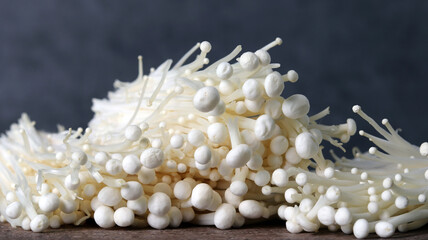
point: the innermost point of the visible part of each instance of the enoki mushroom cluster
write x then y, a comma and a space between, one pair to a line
210, 144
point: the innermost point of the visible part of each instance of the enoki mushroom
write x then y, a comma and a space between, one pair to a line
211, 144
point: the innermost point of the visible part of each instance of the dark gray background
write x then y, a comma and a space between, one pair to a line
55, 56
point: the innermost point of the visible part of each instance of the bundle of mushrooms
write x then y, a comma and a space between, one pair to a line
211, 144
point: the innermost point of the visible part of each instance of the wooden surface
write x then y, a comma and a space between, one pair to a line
268, 230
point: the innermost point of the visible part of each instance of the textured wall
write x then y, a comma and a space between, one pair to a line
55, 56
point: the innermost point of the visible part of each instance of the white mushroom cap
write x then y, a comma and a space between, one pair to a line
89, 190
219, 109
251, 209
279, 145
343, 216
159, 203
123, 217
291, 156
263, 56
101, 158
131, 164
250, 139
273, 108
39, 223
422, 198
68, 218
188, 214
156, 143
249, 61
10, 196
79, 157
255, 162
326, 215
217, 133
274, 84
224, 70
306, 145
70, 183
251, 89
133, 133
423, 149
182, 190
295, 106
384, 229
346, 229
114, 166
176, 141
202, 154
333, 193
146, 175
401, 202
292, 76
301, 179
104, 217
205, 46
264, 127
55, 221
254, 106
238, 156
306, 205
68, 205
109, 196
373, 207
361, 228
196, 137
290, 195
14, 210
26, 223
262, 178
163, 187
158, 221
226, 87
206, 99
317, 134
152, 157
241, 107
139, 206
175, 217
281, 211
132, 190
291, 213
293, 227
239, 188
232, 198
352, 126
48, 202
202, 195
280, 177
224, 216
59, 156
